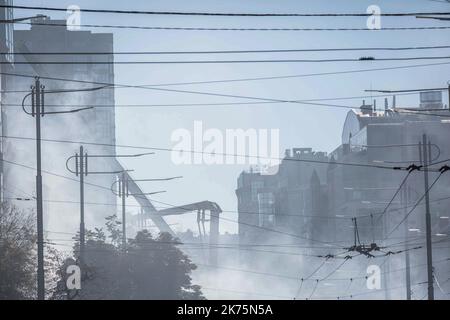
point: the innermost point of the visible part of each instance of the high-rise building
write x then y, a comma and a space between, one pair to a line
94, 125
7, 58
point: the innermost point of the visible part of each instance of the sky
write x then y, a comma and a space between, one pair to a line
317, 127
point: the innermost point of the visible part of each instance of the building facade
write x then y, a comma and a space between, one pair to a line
315, 195
89, 89
389, 138
283, 201
7, 59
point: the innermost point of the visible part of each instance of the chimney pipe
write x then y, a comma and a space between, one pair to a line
394, 102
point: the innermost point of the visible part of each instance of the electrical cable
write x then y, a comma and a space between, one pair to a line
136, 62
313, 290
363, 165
240, 29
256, 78
415, 205
194, 92
95, 53
397, 191
227, 14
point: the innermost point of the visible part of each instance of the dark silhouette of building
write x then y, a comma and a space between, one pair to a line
387, 138
315, 197
285, 201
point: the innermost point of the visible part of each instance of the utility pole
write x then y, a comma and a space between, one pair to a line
124, 187
123, 192
37, 111
82, 227
425, 146
386, 267
81, 164
37, 93
81, 170
405, 201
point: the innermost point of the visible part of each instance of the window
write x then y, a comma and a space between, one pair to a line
266, 209
256, 185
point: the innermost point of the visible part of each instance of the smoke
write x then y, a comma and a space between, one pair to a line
60, 187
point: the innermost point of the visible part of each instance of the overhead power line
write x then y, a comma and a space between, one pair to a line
293, 235
75, 236
204, 93
30, 197
201, 93
302, 102
334, 270
171, 205
227, 14
246, 293
315, 270
228, 29
275, 77
212, 104
230, 51
369, 292
306, 75
362, 165
397, 191
245, 247
362, 59
408, 90
441, 1
286, 253
157, 244
415, 205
